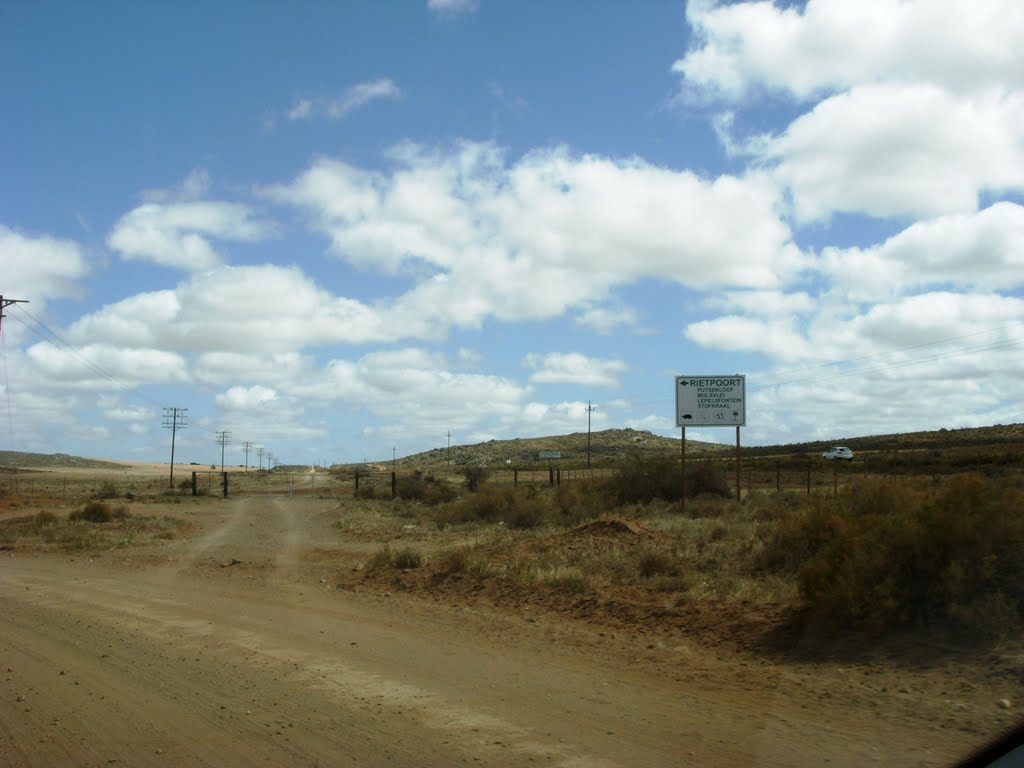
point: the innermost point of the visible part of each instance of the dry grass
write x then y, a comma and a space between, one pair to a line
45, 531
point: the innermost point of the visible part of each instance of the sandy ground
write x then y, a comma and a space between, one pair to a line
236, 647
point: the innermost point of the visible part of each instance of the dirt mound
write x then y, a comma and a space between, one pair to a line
611, 525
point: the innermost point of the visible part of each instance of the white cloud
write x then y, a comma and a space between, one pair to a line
835, 44
452, 7
266, 309
178, 234
897, 150
411, 389
348, 101
245, 398
983, 250
40, 268
124, 366
548, 233
778, 339
606, 319
574, 368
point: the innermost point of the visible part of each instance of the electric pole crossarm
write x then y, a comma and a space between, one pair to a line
5, 303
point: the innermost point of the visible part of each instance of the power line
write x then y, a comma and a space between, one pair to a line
38, 327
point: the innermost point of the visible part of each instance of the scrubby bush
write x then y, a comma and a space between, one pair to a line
523, 507
107, 490
475, 476
424, 488
579, 501
404, 559
93, 512
885, 556
641, 480
407, 558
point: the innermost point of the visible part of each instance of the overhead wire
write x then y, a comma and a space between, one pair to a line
54, 339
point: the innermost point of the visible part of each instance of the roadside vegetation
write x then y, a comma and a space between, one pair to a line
879, 557
95, 526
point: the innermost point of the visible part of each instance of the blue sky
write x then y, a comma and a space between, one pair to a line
335, 229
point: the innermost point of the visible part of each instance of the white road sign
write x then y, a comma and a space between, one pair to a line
711, 401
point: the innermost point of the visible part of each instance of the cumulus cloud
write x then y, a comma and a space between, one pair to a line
898, 150
245, 398
549, 232
103, 366
40, 268
178, 235
909, 114
831, 45
265, 309
574, 368
979, 250
348, 101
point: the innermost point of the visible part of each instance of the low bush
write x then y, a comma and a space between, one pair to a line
107, 490
521, 508
424, 488
407, 558
93, 512
886, 556
641, 480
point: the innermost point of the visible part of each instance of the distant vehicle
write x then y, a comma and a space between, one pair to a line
838, 452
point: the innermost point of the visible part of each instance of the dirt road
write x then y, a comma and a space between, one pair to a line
236, 650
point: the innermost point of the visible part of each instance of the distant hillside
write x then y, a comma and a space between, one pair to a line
607, 446
20, 460
940, 438
614, 445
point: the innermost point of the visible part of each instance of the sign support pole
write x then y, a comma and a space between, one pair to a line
738, 499
682, 472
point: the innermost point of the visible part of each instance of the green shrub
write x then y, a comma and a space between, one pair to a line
426, 489
887, 556
382, 558
641, 480
407, 558
522, 508
579, 501
93, 512
475, 476
654, 563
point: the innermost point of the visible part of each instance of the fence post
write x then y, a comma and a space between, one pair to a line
551, 475
515, 478
225, 484
808, 476
778, 477
394, 484
357, 480
558, 476
195, 491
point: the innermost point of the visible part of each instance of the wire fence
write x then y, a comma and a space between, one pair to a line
808, 475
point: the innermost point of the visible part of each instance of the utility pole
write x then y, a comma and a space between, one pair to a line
223, 439
590, 410
448, 456
259, 455
5, 303
174, 419
247, 447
